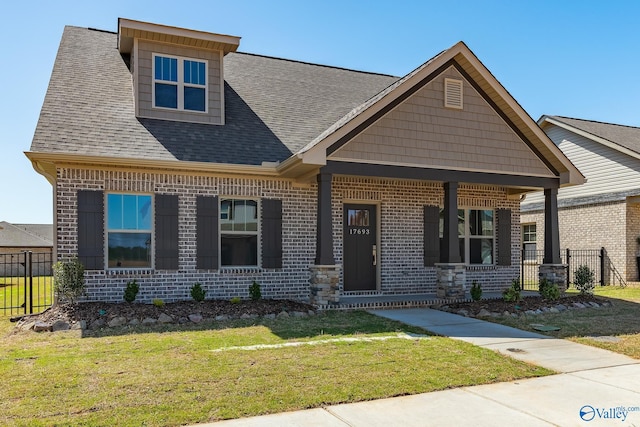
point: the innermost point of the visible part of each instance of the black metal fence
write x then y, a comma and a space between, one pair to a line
26, 285
597, 260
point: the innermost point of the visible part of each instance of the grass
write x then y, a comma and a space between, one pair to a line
622, 321
12, 294
171, 375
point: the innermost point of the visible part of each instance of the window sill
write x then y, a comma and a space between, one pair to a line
240, 269
129, 271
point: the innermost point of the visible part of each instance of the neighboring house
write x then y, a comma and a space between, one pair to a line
16, 239
177, 160
604, 212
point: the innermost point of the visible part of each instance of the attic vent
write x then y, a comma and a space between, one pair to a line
453, 93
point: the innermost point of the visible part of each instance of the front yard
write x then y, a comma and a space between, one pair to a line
173, 375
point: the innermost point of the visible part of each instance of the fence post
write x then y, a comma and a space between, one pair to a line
568, 258
30, 263
603, 255
25, 282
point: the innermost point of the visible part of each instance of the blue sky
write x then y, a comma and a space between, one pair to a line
571, 58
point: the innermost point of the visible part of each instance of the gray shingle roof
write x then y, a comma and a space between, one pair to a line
625, 136
25, 235
273, 106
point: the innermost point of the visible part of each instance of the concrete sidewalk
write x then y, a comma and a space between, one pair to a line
592, 386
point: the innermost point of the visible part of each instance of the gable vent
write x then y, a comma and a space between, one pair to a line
453, 93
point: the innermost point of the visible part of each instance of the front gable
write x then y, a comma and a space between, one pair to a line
422, 132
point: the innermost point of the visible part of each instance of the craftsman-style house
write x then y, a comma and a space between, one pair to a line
175, 160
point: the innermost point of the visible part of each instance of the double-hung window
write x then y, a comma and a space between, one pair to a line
129, 237
529, 242
179, 83
238, 232
476, 235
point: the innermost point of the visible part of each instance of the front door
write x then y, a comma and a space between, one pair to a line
360, 254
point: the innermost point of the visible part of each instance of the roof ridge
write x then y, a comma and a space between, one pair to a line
598, 122
316, 64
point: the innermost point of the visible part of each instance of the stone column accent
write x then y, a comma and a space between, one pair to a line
554, 273
325, 286
451, 280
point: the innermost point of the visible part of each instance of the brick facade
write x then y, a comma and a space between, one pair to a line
614, 226
400, 204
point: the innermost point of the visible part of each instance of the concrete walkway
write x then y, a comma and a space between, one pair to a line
591, 388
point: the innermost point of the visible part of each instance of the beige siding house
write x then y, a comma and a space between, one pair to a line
187, 161
605, 211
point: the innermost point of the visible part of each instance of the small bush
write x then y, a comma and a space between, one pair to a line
235, 300
512, 294
254, 291
548, 290
131, 291
68, 280
476, 291
158, 302
584, 279
197, 293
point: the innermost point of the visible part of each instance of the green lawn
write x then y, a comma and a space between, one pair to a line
621, 321
172, 376
12, 294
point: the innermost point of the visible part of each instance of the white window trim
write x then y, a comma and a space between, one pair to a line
180, 83
468, 237
107, 230
231, 232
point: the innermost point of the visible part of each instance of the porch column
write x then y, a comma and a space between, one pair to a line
451, 272
551, 230
552, 268
325, 274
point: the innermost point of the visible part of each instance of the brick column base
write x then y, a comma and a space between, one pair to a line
451, 279
554, 273
325, 286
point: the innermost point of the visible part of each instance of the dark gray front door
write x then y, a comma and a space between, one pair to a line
359, 244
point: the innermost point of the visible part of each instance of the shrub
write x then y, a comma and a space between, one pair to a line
548, 290
131, 291
235, 300
512, 294
584, 279
158, 302
254, 291
68, 280
476, 291
197, 293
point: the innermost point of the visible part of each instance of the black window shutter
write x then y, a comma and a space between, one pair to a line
504, 236
91, 229
271, 233
431, 235
166, 212
207, 232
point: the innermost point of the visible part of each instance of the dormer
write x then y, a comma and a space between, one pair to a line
177, 72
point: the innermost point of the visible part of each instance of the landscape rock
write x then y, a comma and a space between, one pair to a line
484, 313
195, 318
554, 310
299, 314
97, 324
134, 322
222, 317
311, 313
149, 321
530, 313
41, 327
165, 318
60, 325
579, 305
561, 307
594, 304
117, 322
282, 314
463, 312
27, 326
270, 316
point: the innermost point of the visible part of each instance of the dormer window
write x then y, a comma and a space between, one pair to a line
179, 83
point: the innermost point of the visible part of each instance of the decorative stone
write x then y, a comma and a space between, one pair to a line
451, 279
245, 316
149, 321
270, 316
324, 284
463, 312
561, 307
594, 304
222, 317
134, 322
28, 325
299, 314
165, 318
530, 313
81, 326
554, 310
98, 323
195, 318
484, 313
506, 313
60, 325
282, 314
311, 313
117, 321
578, 305
41, 327
554, 273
